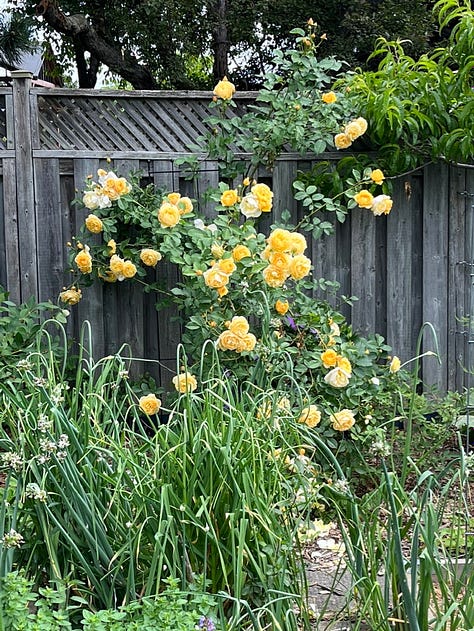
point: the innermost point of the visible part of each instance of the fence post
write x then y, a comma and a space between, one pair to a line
25, 197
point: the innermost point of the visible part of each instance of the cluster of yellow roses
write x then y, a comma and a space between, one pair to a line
341, 369
237, 337
352, 131
108, 189
285, 257
341, 421
258, 201
172, 209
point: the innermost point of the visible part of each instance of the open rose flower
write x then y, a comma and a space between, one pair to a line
185, 382
343, 420
149, 404
337, 378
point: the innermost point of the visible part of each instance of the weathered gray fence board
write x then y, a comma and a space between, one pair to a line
400, 244
3, 258
25, 189
363, 269
435, 273
91, 306
11, 237
456, 277
51, 242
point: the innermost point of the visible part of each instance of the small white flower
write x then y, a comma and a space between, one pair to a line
375, 381
12, 539
199, 224
212, 228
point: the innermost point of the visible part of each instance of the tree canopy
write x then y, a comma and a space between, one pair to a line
184, 44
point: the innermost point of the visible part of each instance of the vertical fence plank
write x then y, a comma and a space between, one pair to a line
51, 242
400, 272
91, 307
468, 326
3, 258
456, 351
12, 246
363, 276
27, 241
284, 174
435, 271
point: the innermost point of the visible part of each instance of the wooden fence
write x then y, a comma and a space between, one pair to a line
410, 267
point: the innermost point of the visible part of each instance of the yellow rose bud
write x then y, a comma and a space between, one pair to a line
224, 89
282, 306
395, 365
217, 250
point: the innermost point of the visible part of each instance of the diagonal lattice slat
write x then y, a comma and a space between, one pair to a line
92, 122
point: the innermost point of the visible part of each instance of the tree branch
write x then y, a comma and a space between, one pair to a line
84, 36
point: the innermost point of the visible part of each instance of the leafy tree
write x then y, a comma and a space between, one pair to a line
185, 44
15, 38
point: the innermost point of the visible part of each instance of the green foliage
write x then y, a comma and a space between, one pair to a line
19, 327
421, 110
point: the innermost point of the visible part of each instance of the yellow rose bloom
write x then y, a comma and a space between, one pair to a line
264, 196
116, 265
129, 269
229, 198
329, 358
185, 205
282, 306
377, 176
329, 97
337, 378
364, 199
240, 252
149, 404
344, 363
343, 420
274, 276
168, 215
224, 89
395, 365
299, 267
150, 257
280, 240
83, 261
280, 259
238, 325
310, 416
228, 341
342, 141
112, 247
71, 296
173, 198
381, 205
109, 276
227, 265
298, 243
356, 128
222, 291
185, 382
121, 186
94, 224
215, 278
249, 342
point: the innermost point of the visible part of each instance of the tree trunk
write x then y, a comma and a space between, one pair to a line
220, 43
86, 38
